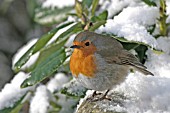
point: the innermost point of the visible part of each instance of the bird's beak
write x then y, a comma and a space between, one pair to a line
76, 46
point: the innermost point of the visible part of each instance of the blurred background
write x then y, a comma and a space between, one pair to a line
16, 28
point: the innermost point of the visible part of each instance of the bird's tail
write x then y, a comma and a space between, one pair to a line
144, 71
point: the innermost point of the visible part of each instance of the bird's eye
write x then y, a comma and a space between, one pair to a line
87, 43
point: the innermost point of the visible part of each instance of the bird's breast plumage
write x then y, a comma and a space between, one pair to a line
82, 64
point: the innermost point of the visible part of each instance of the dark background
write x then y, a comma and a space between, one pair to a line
16, 29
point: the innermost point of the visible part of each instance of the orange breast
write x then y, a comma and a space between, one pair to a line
82, 63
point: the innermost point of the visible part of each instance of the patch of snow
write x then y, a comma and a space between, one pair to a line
131, 24
59, 33
88, 94
58, 3
12, 92
139, 94
75, 88
159, 64
115, 6
135, 15
164, 43
168, 10
68, 44
70, 41
116, 108
148, 93
131, 32
71, 19
67, 103
22, 51
56, 83
40, 102
50, 18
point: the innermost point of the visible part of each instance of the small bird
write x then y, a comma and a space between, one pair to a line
100, 62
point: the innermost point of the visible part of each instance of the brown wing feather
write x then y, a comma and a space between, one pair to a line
126, 58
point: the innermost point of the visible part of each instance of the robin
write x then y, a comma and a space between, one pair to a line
100, 62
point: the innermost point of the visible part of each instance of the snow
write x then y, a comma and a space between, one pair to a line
159, 64
132, 32
56, 83
58, 3
88, 93
40, 102
164, 43
168, 10
50, 18
131, 24
75, 88
115, 6
135, 15
138, 94
59, 33
12, 92
22, 51
146, 93
69, 43
67, 103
